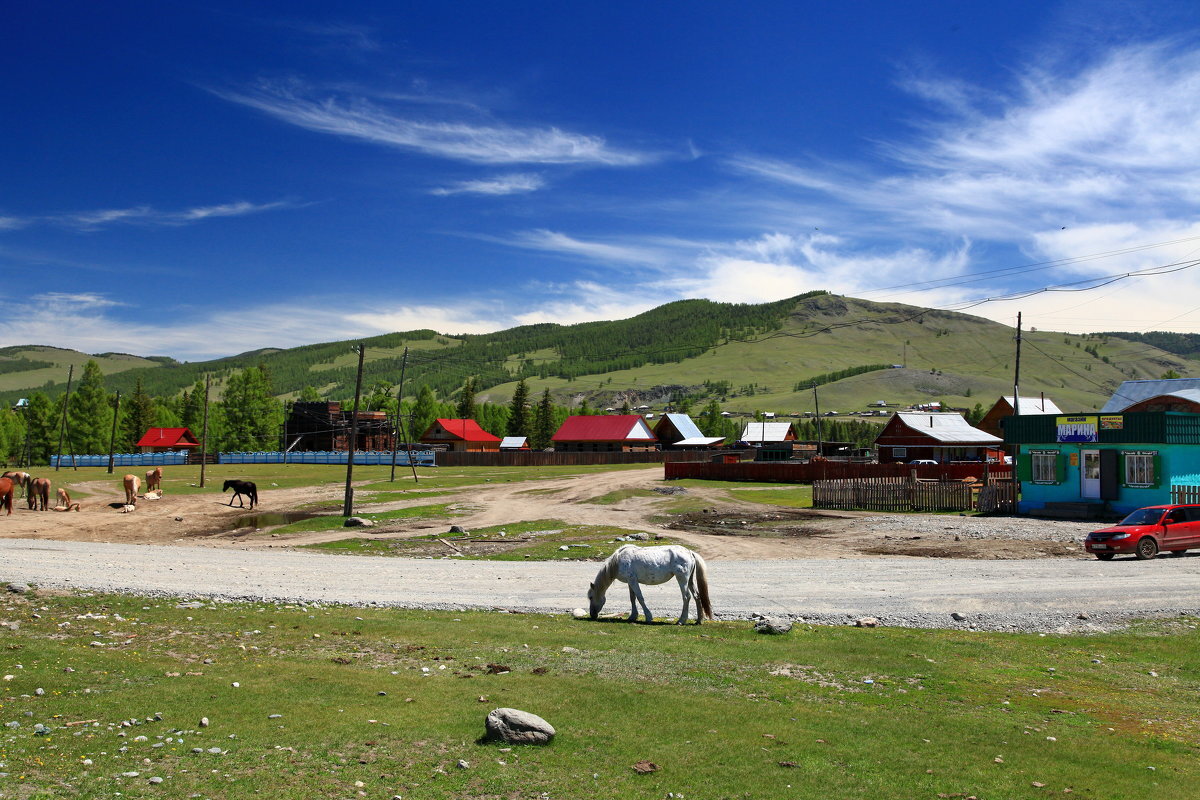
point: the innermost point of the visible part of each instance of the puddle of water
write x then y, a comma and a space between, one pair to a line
270, 519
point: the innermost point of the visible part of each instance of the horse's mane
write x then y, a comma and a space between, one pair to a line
608, 570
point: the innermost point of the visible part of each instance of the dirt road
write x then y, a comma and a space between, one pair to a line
725, 526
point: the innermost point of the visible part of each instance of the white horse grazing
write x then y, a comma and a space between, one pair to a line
654, 565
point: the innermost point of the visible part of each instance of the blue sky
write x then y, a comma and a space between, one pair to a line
208, 178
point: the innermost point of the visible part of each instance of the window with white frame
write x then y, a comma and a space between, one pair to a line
1139, 469
1045, 466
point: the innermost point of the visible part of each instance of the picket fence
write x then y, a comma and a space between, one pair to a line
1185, 495
901, 494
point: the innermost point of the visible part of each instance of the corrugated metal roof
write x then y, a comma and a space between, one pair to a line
1131, 392
766, 431
512, 442
1034, 405
946, 428
618, 428
697, 441
168, 437
684, 424
467, 430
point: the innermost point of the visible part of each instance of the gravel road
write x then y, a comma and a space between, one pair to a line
1019, 595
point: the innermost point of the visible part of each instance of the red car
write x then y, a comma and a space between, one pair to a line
1148, 531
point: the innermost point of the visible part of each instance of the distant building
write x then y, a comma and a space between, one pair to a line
164, 440
461, 435
993, 420
324, 426
513, 443
680, 431
604, 434
1178, 394
774, 441
936, 437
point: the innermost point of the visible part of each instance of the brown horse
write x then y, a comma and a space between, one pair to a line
19, 479
64, 502
6, 491
131, 489
154, 480
39, 494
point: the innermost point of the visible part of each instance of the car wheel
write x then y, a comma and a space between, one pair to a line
1147, 548
1105, 556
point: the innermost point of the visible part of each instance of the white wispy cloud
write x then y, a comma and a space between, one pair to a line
142, 215
610, 253
518, 183
474, 141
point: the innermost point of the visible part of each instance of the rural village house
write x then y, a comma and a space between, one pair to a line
1128, 455
773, 441
940, 437
514, 443
601, 434
165, 440
460, 435
680, 431
992, 421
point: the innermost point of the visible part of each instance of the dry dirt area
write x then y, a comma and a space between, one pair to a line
725, 528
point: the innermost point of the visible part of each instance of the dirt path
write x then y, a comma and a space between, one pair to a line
723, 526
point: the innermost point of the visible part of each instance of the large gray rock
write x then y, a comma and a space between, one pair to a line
18, 588
358, 522
514, 726
772, 625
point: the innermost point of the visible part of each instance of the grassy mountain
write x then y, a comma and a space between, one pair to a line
752, 357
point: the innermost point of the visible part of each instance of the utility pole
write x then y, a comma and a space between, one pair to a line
817, 407
348, 505
399, 401
62, 428
1017, 372
204, 432
112, 439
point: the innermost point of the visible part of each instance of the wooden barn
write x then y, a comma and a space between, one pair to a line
774, 441
992, 421
939, 437
325, 426
165, 440
460, 435
604, 434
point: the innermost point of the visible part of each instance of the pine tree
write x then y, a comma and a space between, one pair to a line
192, 409
585, 410
252, 415
309, 394
41, 426
466, 400
12, 436
543, 423
90, 414
710, 419
424, 412
519, 422
137, 416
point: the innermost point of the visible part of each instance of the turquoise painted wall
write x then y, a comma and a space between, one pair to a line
1179, 463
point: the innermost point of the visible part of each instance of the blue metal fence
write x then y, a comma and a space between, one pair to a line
123, 460
422, 458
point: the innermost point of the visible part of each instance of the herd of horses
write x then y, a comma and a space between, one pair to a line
37, 491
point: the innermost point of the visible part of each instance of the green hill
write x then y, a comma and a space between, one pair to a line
751, 357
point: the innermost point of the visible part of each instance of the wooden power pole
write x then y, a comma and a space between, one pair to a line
204, 432
112, 439
348, 505
62, 428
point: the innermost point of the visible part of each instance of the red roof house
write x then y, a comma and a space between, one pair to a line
161, 440
460, 435
592, 434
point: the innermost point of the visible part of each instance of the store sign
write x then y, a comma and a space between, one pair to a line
1112, 422
1077, 429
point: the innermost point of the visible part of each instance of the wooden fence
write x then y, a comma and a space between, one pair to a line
796, 472
1185, 495
531, 458
899, 494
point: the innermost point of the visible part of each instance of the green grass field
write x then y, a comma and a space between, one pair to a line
316, 702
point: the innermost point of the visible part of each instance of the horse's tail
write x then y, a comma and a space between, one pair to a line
701, 576
254, 493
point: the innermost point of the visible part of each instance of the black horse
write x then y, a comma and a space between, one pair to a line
242, 488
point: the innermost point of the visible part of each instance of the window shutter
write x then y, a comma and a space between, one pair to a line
1124, 468
1024, 468
1157, 471
1060, 467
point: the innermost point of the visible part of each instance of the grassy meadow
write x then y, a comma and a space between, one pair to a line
335, 702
